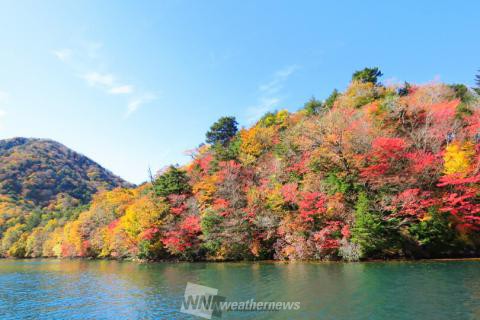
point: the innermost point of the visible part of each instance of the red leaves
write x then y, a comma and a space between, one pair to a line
177, 203
174, 242
112, 225
177, 241
228, 169
444, 111
300, 167
388, 148
413, 202
465, 207
462, 201
328, 237
205, 162
179, 210
455, 180
473, 122
312, 204
149, 233
191, 225
374, 171
421, 161
384, 155
290, 192
222, 206
441, 117
202, 164
346, 231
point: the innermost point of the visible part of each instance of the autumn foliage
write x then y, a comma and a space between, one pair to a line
379, 171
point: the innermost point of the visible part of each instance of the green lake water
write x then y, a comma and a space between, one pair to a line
80, 289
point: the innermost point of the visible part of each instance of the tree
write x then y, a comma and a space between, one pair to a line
477, 82
274, 119
313, 106
367, 231
360, 93
461, 200
457, 158
331, 99
173, 181
404, 90
371, 173
367, 75
222, 131
229, 152
461, 92
434, 234
255, 141
385, 163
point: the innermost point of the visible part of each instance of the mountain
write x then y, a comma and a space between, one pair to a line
43, 172
374, 172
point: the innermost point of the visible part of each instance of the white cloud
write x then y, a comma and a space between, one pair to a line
107, 82
63, 54
264, 105
85, 64
123, 89
269, 94
96, 79
136, 103
278, 81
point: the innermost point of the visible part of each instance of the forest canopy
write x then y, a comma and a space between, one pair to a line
376, 171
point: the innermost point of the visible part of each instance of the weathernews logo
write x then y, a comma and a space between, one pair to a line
205, 302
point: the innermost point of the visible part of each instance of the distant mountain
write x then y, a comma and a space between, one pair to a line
44, 172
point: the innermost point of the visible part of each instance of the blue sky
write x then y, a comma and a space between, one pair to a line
133, 85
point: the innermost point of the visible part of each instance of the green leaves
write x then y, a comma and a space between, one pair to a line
331, 99
367, 75
313, 106
367, 230
173, 181
222, 131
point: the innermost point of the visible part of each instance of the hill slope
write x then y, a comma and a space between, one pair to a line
42, 171
372, 172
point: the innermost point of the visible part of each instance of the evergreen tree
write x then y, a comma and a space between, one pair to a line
331, 99
222, 131
313, 106
173, 181
477, 82
367, 230
367, 75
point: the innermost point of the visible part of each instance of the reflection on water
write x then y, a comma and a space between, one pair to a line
78, 289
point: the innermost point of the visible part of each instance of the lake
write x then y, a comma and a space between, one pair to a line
81, 289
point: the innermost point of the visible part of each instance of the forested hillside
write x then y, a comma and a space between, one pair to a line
42, 171
42, 179
374, 172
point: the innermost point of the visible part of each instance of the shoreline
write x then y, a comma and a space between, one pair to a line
250, 261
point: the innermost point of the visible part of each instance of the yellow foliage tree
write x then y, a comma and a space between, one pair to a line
457, 158
359, 94
11, 236
205, 189
72, 243
279, 119
141, 215
53, 244
254, 142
